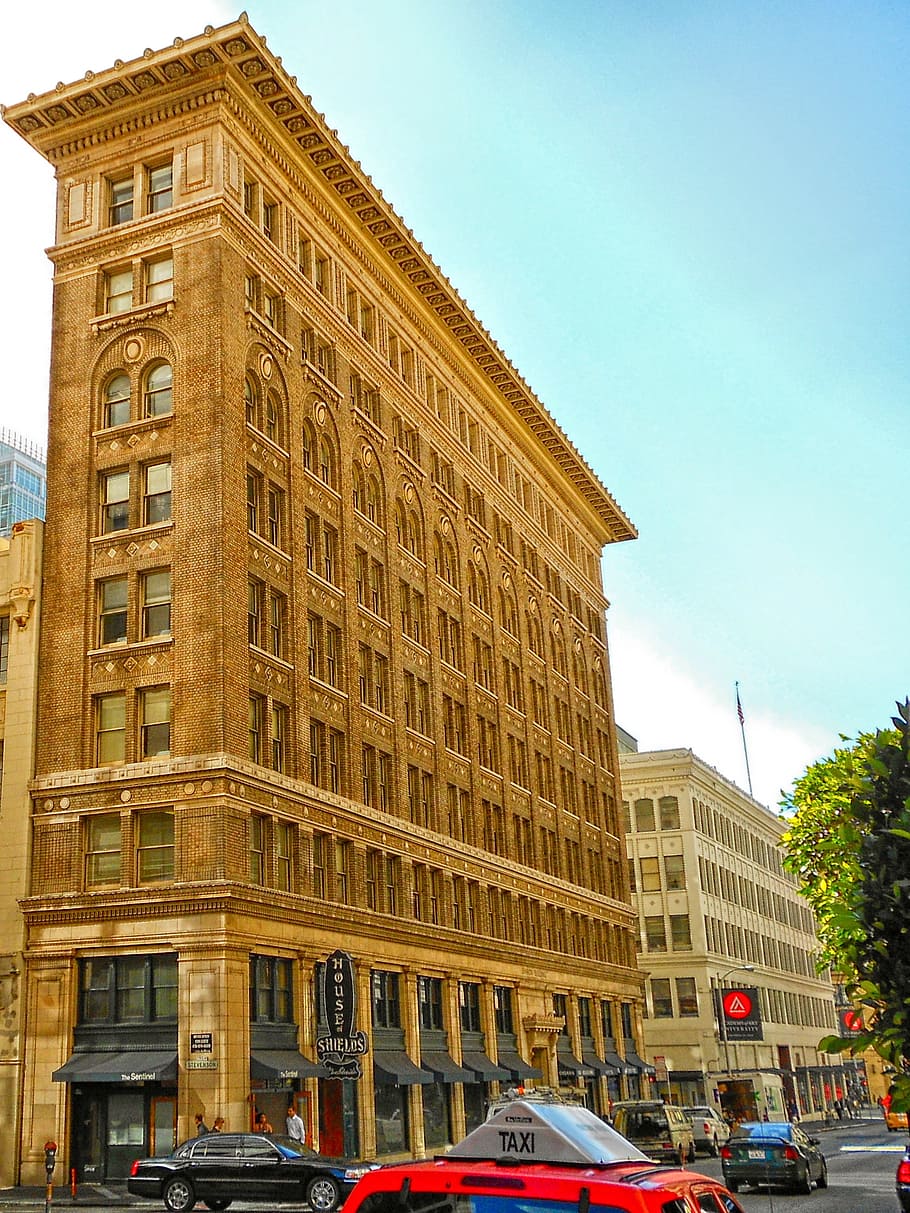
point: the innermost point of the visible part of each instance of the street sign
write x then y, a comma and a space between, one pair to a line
851, 1022
741, 1014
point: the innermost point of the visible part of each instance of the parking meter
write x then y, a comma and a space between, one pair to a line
50, 1157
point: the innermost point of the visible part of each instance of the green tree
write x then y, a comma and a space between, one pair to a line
849, 845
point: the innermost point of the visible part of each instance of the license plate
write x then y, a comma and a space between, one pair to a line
756, 1154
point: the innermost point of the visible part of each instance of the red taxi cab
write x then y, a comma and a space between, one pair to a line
540, 1158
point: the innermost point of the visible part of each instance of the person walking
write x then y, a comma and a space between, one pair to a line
295, 1126
262, 1124
201, 1126
218, 1124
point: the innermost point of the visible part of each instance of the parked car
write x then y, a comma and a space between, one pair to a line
709, 1128
774, 1154
903, 1181
219, 1168
660, 1130
896, 1121
537, 1155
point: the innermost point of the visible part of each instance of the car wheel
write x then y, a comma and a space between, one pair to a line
178, 1195
713, 1147
323, 1194
822, 1181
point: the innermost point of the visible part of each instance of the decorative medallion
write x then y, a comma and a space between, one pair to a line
265, 366
204, 58
478, 554
64, 802
189, 789
126, 795
319, 412
366, 456
444, 525
532, 605
409, 493
507, 582
134, 349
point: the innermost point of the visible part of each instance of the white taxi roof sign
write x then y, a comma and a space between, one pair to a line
552, 1133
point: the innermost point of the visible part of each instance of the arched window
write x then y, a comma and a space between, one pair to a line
535, 633
446, 559
327, 464
250, 400
558, 655
159, 397
579, 670
478, 587
358, 490
308, 446
372, 505
508, 612
117, 399
273, 418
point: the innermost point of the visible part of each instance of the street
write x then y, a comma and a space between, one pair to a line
862, 1160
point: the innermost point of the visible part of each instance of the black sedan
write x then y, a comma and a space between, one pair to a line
903, 1181
222, 1167
773, 1154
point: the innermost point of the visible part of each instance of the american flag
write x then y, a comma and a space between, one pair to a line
739, 708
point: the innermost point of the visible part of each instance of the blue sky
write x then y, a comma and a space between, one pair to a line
687, 225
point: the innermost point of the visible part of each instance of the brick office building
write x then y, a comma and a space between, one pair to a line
327, 638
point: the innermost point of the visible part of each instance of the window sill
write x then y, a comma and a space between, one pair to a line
114, 320
155, 528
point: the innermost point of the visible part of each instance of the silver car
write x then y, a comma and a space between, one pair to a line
709, 1128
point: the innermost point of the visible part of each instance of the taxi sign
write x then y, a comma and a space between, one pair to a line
525, 1132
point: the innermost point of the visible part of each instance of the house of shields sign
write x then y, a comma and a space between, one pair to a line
340, 1051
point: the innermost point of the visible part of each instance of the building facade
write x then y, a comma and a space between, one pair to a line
20, 592
328, 650
718, 914
23, 480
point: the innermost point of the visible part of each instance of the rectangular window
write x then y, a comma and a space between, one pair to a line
128, 989
110, 728
650, 874
112, 611
271, 990
118, 291
257, 849
279, 736
675, 871
115, 502
680, 933
256, 707
283, 856
157, 496
254, 501
502, 1007
102, 850
469, 1004
277, 623
686, 996
155, 851
160, 188
156, 604
275, 515
155, 730
661, 998
429, 1003
159, 280
386, 1002
121, 201
655, 933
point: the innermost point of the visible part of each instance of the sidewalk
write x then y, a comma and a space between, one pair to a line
111, 1195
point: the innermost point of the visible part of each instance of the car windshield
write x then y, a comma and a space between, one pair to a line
291, 1148
766, 1128
699, 1111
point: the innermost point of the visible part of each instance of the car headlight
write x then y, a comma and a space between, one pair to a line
358, 1172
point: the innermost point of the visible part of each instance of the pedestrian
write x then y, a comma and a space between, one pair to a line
765, 1115
201, 1126
839, 1109
792, 1112
262, 1124
218, 1124
295, 1125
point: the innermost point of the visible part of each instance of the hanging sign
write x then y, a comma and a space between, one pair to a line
742, 1014
341, 1047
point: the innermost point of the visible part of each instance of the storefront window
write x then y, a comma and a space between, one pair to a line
392, 1131
436, 1125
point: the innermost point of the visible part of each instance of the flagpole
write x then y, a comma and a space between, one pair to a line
742, 726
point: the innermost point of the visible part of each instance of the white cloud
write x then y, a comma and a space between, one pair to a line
664, 705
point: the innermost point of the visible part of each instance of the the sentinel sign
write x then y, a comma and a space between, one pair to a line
341, 1048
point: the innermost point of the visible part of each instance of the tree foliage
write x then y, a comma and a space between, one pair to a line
849, 845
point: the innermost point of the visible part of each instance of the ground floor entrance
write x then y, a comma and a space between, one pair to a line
114, 1125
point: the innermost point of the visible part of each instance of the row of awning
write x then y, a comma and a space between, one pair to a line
391, 1066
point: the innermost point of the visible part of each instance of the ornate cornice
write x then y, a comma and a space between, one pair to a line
72, 118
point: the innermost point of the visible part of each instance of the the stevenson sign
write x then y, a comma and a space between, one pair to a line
341, 1047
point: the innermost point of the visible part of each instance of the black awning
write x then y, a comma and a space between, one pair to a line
643, 1067
600, 1067
484, 1069
271, 1064
517, 1066
444, 1068
568, 1065
613, 1059
119, 1067
392, 1066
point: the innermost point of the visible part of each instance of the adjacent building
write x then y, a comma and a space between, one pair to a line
23, 480
324, 664
20, 595
721, 921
